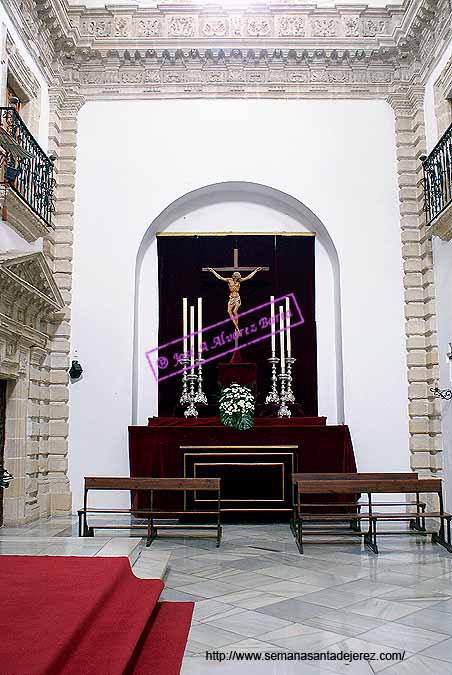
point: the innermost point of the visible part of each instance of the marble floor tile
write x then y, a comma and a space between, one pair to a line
252, 599
210, 609
282, 572
253, 645
414, 595
249, 623
419, 665
212, 636
430, 619
368, 588
199, 666
288, 589
435, 586
391, 577
16, 548
383, 609
444, 606
375, 662
294, 609
302, 638
333, 598
255, 563
344, 622
172, 595
179, 579
411, 638
441, 651
210, 589
245, 579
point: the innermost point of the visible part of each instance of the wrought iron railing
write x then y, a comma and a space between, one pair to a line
30, 175
438, 177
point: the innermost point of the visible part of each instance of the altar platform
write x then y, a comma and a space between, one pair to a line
255, 466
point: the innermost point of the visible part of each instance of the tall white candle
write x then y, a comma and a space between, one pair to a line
184, 323
288, 339
273, 327
199, 327
192, 335
281, 339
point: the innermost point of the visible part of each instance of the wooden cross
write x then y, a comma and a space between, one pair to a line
235, 267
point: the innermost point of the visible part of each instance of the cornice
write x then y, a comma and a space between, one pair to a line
122, 51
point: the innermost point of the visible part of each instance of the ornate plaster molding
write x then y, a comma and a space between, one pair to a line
20, 71
20, 216
29, 276
442, 226
117, 51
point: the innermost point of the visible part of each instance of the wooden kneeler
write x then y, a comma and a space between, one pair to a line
372, 487
151, 486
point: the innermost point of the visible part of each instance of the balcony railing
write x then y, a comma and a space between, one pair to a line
30, 172
438, 177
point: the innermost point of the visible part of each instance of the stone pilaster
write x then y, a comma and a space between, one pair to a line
420, 313
64, 108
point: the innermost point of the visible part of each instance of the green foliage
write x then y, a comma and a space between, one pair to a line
236, 407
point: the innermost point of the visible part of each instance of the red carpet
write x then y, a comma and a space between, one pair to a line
77, 616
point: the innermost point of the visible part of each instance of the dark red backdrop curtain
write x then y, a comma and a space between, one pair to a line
291, 261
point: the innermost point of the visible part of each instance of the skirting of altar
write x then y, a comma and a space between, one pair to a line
255, 466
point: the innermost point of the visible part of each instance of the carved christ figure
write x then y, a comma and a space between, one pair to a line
234, 282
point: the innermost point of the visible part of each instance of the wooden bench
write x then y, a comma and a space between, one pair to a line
354, 523
151, 486
370, 487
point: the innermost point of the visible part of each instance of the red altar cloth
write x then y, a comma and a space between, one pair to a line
155, 450
261, 422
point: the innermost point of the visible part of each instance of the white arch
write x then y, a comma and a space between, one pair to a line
255, 193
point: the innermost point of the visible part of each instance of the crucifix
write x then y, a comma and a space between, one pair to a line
234, 282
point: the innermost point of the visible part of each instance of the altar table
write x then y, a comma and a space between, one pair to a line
254, 465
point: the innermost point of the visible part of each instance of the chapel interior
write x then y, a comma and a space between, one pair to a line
225, 337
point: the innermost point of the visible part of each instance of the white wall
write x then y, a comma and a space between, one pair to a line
9, 239
26, 51
431, 130
136, 158
442, 267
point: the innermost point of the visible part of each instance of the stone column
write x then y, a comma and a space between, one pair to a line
64, 108
420, 313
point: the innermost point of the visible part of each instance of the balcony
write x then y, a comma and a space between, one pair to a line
26, 178
438, 187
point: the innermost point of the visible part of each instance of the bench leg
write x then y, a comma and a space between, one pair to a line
355, 523
438, 537
79, 524
299, 537
219, 534
370, 538
85, 530
152, 533
419, 522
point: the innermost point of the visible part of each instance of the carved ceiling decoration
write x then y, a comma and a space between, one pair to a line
120, 51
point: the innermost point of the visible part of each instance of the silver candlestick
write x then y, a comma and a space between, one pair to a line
191, 411
185, 396
200, 396
273, 396
290, 398
283, 410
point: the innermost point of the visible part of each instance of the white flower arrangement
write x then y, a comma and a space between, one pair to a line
237, 407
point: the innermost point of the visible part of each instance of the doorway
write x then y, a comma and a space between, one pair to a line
3, 384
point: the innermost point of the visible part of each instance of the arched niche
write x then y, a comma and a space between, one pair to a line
237, 206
